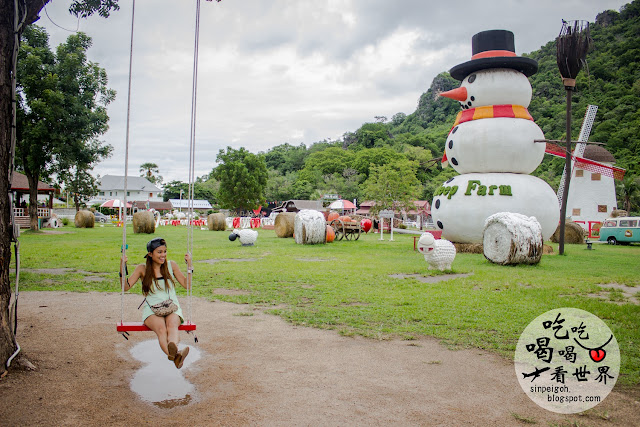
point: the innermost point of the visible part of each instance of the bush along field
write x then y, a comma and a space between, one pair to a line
373, 288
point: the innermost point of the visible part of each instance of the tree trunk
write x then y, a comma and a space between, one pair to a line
33, 200
7, 344
7, 13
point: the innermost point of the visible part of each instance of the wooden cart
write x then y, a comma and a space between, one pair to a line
350, 229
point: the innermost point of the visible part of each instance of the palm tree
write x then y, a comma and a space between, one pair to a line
150, 171
629, 192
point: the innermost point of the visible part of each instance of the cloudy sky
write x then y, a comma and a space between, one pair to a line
276, 71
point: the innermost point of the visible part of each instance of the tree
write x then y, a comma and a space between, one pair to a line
175, 190
328, 161
204, 188
243, 178
28, 11
286, 158
77, 160
628, 191
392, 186
40, 110
365, 159
371, 135
279, 187
62, 100
151, 172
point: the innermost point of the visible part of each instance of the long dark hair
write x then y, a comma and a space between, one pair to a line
149, 277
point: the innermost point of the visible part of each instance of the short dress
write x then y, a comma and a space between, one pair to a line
162, 294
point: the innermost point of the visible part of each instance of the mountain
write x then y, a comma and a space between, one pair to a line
610, 80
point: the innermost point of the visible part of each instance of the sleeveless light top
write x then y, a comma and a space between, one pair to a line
162, 294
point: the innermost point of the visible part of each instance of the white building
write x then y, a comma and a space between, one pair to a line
592, 196
138, 189
183, 204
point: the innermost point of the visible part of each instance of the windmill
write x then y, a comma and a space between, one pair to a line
585, 131
577, 159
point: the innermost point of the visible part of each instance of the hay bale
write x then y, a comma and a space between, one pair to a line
618, 212
144, 223
512, 238
284, 224
573, 233
84, 219
310, 227
468, 248
217, 222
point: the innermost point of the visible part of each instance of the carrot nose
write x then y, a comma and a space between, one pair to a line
459, 94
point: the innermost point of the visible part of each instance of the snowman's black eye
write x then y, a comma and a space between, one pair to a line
472, 78
473, 98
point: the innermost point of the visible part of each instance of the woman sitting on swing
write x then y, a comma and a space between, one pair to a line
157, 287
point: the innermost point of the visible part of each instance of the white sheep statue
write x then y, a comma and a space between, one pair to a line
439, 254
247, 236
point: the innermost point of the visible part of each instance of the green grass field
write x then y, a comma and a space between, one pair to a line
346, 285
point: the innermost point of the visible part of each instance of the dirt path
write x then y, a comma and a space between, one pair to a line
255, 369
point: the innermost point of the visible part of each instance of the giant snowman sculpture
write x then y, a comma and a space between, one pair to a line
491, 145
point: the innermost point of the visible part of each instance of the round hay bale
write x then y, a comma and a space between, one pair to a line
144, 223
512, 238
618, 212
310, 227
84, 219
468, 248
573, 234
217, 222
284, 223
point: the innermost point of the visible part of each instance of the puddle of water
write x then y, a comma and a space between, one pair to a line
158, 381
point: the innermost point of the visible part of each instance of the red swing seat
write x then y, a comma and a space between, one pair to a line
141, 327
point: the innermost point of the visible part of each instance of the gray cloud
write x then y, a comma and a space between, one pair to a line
281, 71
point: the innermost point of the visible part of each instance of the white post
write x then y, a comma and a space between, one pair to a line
391, 228
381, 228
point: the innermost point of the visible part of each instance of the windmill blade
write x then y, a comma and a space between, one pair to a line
587, 123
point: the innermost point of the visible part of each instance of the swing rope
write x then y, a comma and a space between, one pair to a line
123, 268
192, 144
188, 326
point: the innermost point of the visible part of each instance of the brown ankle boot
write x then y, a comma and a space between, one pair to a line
173, 350
180, 356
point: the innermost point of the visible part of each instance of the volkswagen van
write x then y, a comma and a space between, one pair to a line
624, 229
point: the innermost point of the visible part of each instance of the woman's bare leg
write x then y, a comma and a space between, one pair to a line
172, 322
157, 325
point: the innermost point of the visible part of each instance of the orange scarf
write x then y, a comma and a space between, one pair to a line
492, 111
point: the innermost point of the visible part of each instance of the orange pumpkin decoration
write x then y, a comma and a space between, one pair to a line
332, 216
345, 218
331, 235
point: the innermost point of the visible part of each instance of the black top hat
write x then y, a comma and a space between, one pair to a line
494, 49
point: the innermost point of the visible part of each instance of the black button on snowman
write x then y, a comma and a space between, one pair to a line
491, 144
